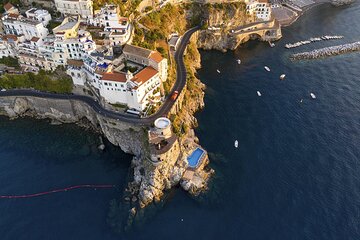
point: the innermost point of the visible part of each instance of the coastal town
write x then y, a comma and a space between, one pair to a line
130, 78
95, 47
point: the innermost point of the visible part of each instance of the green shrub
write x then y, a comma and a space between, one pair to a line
41, 81
10, 62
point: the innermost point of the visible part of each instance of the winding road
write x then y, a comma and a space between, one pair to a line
124, 117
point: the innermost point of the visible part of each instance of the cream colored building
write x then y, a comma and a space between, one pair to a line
83, 8
260, 8
147, 57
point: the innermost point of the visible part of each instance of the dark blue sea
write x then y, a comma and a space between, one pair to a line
295, 175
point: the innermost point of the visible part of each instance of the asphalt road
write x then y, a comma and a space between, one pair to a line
124, 117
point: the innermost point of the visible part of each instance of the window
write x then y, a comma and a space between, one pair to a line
106, 83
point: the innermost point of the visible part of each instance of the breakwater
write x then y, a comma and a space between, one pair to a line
311, 40
327, 52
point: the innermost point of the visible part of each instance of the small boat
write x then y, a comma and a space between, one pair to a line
238, 61
236, 144
301, 100
271, 44
218, 70
267, 68
312, 96
258, 93
282, 76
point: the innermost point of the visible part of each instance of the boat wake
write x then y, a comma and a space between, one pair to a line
56, 191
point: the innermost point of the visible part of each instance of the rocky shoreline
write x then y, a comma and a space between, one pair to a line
327, 52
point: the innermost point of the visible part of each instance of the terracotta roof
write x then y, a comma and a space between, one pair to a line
34, 39
263, 1
144, 75
156, 56
10, 36
76, 63
13, 15
8, 6
114, 76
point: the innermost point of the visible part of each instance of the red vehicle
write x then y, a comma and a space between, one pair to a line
174, 95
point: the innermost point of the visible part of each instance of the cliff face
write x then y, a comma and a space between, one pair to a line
220, 19
131, 139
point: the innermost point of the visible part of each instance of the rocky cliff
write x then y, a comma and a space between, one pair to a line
220, 19
131, 139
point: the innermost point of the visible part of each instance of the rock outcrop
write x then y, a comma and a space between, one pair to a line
220, 18
341, 2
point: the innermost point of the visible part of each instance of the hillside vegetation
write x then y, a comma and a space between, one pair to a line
43, 81
158, 25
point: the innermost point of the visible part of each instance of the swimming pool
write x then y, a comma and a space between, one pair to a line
195, 157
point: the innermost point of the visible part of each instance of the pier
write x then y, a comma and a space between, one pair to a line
311, 40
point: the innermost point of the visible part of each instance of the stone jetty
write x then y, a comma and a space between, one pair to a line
341, 2
327, 52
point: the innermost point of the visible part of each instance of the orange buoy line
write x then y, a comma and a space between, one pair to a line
57, 190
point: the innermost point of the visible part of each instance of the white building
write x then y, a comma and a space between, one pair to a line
19, 25
260, 8
40, 15
84, 8
117, 28
8, 45
75, 71
135, 91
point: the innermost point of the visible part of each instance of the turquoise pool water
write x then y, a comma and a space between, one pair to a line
195, 157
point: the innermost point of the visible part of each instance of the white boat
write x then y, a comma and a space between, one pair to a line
267, 68
312, 96
271, 44
218, 70
238, 61
282, 76
258, 93
236, 144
